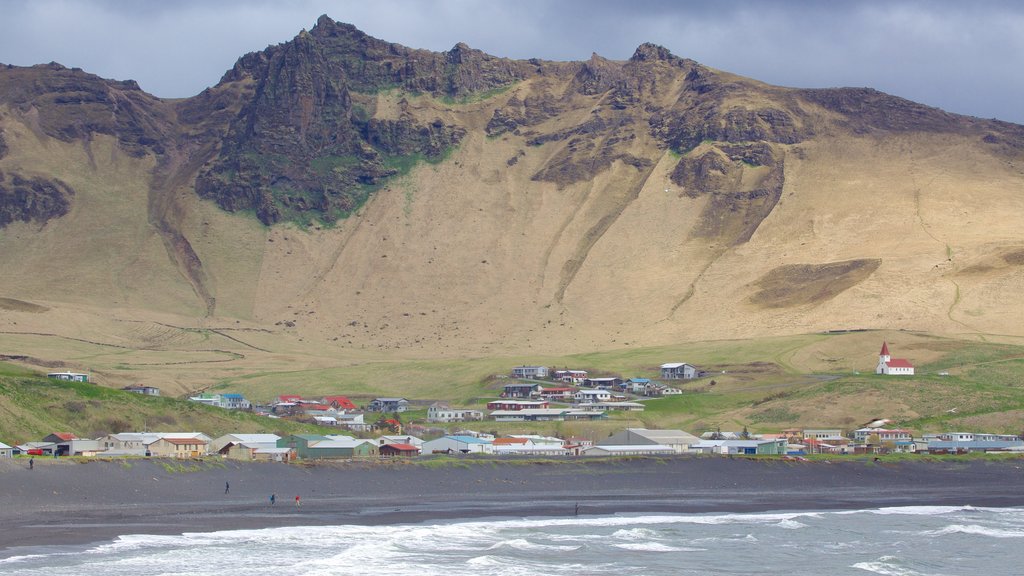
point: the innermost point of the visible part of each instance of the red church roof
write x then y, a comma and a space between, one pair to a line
885, 350
899, 363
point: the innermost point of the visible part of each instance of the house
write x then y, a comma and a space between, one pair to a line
6, 451
517, 404
399, 450
830, 435
178, 447
520, 390
229, 401
400, 439
882, 434
235, 401
530, 372
773, 447
353, 422
139, 443
590, 396
892, 366
563, 393
636, 385
443, 412
219, 443
678, 371
546, 414
678, 440
144, 390
570, 376
457, 445
69, 376
529, 445
603, 383
339, 402
388, 405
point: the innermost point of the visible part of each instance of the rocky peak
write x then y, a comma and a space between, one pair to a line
647, 52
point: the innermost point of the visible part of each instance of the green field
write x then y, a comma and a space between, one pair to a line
765, 385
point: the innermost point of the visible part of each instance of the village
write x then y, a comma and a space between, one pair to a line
534, 394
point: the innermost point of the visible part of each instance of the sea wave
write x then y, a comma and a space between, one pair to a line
976, 530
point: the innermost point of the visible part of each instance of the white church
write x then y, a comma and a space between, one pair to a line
892, 366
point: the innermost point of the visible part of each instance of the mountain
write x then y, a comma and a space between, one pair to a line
341, 193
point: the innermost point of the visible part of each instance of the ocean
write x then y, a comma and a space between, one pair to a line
909, 541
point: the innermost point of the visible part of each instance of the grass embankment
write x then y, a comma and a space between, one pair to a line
32, 406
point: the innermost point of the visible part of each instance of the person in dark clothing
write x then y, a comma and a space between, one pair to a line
273, 499
227, 487
31, 463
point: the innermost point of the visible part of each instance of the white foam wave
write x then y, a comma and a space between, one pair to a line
523, 544
635, 534
23, 558
791, 524
977, 530
655, 547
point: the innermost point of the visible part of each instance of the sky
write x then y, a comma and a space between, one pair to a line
962, 56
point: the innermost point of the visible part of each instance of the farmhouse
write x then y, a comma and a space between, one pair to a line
892, 366
529, 372
388, 405
570, 376
678, 371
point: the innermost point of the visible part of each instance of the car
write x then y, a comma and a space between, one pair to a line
35, 452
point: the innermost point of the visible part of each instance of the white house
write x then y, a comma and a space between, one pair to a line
678, 371
892, 366
591, 396
530, 372
441, 412
6, 451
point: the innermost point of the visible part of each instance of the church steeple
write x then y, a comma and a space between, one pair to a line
884, 354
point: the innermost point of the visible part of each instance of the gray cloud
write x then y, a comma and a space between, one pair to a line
964, 57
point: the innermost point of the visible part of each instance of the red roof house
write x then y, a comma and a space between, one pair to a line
339, 402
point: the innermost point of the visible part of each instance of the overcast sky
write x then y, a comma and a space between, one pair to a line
962, 56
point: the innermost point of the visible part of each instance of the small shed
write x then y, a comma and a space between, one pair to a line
399, 450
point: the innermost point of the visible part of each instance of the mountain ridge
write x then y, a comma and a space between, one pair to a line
345, 190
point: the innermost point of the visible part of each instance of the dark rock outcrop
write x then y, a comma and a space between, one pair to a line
71, 105
32, 199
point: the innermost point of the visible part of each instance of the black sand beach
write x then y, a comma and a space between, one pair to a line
62, 502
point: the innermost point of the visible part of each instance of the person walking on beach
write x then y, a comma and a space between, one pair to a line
298, 501
227, 487
31, 463
273, 499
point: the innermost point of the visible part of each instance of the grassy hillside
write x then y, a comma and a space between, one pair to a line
765, 384
32, 407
